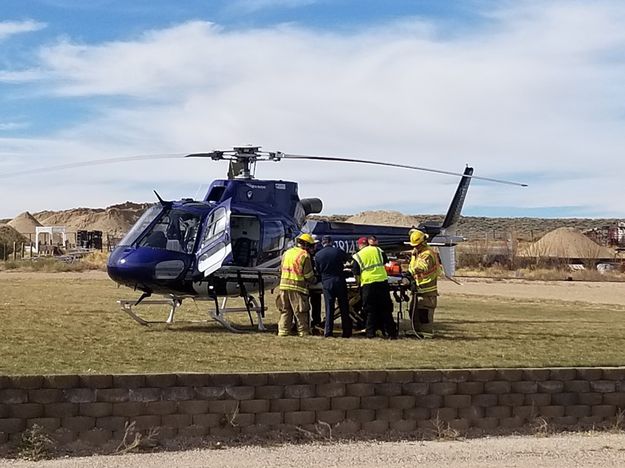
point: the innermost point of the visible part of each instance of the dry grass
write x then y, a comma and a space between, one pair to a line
64, 324
35, 444
134, 440
92, 261
543, 274
95, 260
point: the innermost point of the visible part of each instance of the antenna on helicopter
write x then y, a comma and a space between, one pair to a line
161, 201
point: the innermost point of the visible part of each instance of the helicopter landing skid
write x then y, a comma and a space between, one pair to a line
251, 305
127, 306
217, 313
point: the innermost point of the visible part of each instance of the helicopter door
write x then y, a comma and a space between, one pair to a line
215, 244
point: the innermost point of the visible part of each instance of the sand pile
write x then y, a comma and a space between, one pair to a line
115, 220
24, 223
566, 243
8, 238
8, 235
383, 218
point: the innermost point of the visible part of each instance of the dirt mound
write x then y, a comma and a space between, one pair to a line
115, 219
8, 238
566, 243
8, 235
24, 223
384, 218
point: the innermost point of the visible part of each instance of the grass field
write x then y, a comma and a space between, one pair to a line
60, 324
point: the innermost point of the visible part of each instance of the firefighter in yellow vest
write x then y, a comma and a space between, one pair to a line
297, 275
368, 268
424, 268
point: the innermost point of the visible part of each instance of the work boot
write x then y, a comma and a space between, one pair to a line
424, 335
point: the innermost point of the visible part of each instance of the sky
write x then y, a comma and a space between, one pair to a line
530, 91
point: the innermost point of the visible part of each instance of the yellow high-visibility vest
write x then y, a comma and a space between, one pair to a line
424, 267
296, 270
371, 263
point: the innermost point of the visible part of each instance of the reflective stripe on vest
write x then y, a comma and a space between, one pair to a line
293, 276
371, 263
424, 267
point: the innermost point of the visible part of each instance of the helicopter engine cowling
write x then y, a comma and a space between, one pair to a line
312, 205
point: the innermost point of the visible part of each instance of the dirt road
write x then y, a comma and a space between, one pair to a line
573, 291
536, 452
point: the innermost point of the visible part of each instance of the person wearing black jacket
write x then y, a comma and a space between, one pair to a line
330, 263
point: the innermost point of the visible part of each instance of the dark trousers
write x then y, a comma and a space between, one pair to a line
315, 308
378, 308
335, 290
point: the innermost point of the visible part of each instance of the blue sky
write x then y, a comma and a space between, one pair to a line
524, 90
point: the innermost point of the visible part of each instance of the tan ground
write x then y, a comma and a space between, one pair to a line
568, 291
573, 291
592, 450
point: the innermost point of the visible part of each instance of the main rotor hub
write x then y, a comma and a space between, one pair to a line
242, 159
252, 150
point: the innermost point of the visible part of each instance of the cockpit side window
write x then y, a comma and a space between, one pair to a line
175, 230
215, 225
273, 236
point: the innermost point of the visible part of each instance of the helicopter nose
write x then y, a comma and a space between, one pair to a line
118, 266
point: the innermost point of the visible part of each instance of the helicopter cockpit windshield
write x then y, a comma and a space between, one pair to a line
140, 226
175, 230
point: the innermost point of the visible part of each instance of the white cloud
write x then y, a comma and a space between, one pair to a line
10, 28
22, 76
537, 90
6, 126
251, 6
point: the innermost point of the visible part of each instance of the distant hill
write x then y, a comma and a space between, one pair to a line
478, 227
117, 219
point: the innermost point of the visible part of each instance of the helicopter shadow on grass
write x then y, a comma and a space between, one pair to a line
215, 328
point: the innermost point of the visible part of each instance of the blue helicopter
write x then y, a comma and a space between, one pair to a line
230, 242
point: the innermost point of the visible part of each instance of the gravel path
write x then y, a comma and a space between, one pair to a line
588, 450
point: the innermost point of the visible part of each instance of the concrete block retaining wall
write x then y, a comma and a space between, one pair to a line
95, 408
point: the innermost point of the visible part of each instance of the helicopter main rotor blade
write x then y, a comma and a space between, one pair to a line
93, 162
403, 166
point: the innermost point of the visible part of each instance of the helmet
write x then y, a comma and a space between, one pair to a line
417, 237
362, 241
306, 238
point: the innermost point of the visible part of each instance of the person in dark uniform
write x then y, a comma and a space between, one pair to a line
316, 325
330, 262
